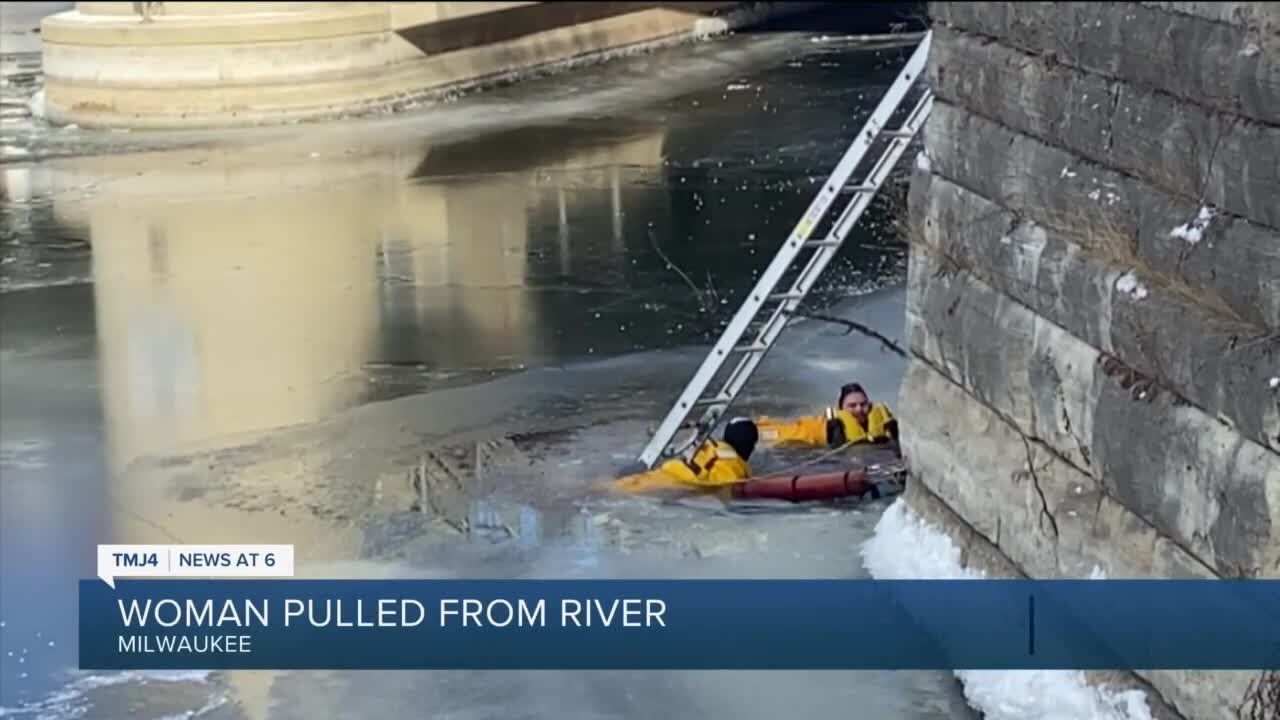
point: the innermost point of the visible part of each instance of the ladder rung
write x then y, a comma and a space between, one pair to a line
822, 243
861, 188
898, 133
755, 347
787, 296
702, 402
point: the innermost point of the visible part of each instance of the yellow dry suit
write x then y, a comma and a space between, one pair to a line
833, 428
715, 465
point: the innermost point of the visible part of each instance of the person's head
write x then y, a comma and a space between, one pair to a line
742, 435
855, 400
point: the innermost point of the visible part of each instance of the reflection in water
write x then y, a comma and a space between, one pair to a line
249, 303
257, 300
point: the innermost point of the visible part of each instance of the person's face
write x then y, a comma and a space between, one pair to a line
858, 404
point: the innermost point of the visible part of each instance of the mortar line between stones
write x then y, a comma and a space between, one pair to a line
1218, 315
1098, 484
987, 276
1012, 45
1088, 163
934, 505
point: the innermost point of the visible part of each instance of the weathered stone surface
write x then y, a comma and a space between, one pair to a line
1180, 147
977, 553
1198, 482
1258, 16
1220, 365
1223, 66
1123, 544
1107, 189
1235, 262
1049, 518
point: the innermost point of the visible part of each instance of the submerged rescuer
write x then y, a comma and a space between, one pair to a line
716, 465
854, 420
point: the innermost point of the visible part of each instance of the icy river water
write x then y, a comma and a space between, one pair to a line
269, 336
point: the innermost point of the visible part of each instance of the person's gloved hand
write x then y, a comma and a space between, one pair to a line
835, 433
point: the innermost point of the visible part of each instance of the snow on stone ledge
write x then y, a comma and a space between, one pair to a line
904, 547
922, 162
36, 105
1128, 283
1194, 230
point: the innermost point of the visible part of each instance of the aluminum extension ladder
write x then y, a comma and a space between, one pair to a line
752, 353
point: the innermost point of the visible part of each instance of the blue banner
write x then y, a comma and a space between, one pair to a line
679, 624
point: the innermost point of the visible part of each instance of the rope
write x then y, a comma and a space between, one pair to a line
814, 460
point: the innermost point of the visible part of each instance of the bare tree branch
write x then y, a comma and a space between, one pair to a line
698, 293
852, 326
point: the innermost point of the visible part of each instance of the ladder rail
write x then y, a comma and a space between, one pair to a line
818, 262
782, 261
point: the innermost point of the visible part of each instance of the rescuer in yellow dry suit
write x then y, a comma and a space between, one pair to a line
716, 465
854, 420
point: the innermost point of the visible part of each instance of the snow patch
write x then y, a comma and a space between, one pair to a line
1067, 172
1274, 383
1194, 230
904, 547
1251, 49
1128, 283
922, 162
706, 27
36, 104
734, 87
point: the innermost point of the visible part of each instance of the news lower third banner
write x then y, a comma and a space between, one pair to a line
271, 623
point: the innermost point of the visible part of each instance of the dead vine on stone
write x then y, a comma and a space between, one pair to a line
1262, 698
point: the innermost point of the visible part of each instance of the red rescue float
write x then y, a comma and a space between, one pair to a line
802, 488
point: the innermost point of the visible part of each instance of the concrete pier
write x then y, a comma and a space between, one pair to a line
208, 64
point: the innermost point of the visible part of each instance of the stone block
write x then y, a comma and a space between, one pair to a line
1219, 364
1124, 546
1223, 66
1048, 517
1235, 263
1201, 690
1214, 493
1257, 16
1178, 146
976, 552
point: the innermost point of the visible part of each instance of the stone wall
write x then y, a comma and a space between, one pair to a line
1094, 296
